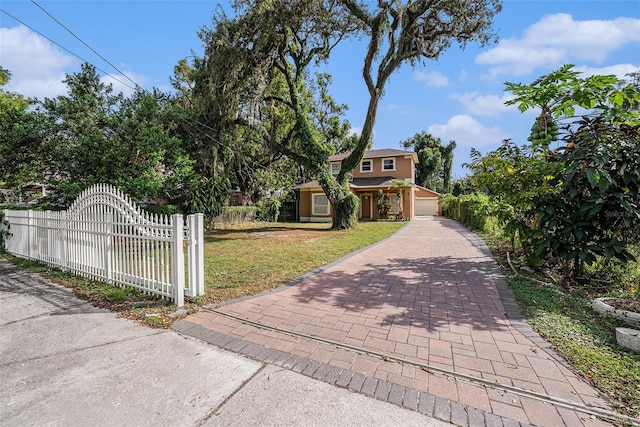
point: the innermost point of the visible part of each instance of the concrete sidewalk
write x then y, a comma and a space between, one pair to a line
66, 363
423, 320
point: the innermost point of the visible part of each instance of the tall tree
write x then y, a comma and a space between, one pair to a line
22, 157
99, 137
447, 165
411, 32
255, 79
434, 161
257, 66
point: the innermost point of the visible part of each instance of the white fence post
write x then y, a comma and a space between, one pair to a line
64, 240
196, 253
31, 236
177, 259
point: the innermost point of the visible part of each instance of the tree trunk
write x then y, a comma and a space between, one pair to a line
345, 212
345, 204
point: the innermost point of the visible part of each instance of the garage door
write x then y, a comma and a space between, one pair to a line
426, 207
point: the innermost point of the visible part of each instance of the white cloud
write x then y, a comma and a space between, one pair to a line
618, 70
37, 68
467, 132
485, 105
558, 39
433, 78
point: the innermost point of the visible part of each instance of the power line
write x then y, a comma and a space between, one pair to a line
82, 41
66, 50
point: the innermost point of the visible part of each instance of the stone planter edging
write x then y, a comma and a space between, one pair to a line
629, 317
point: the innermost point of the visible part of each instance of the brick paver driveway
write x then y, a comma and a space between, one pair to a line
422, 319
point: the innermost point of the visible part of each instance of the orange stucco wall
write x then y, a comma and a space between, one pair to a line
404, 169
306, 205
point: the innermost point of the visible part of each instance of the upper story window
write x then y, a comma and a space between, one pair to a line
366, 166
389, 164
335, 168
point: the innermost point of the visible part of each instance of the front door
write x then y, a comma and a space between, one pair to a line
365, 206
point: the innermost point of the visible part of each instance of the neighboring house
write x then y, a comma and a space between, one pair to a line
28, 195
378, 170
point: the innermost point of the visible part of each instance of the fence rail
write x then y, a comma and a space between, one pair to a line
105, 236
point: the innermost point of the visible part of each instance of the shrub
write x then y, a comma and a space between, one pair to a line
163, 209
268, 210
472, 210
4, 230
233, 215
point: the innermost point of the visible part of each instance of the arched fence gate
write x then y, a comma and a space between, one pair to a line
105, 236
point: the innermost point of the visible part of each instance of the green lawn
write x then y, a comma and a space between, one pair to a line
251, 259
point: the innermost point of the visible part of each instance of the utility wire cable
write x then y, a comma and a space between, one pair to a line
82, 41
66, 50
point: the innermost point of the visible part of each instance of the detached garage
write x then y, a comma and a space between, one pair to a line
426, 202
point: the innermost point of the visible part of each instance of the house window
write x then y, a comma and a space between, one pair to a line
366, 166
320, 204
335, 168
389, 164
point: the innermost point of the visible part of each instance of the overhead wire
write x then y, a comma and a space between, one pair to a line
84, 43
66, 50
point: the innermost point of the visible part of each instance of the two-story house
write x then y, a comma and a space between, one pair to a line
378, 170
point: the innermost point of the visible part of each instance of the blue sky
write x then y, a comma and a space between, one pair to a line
459, 97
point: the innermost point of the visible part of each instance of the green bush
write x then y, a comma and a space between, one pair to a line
268, 210
232, 215
472, 210
163, 209
382, 201
4, 230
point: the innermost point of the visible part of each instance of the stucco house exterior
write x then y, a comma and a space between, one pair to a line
378, 170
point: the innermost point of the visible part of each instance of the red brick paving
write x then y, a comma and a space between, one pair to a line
428, 294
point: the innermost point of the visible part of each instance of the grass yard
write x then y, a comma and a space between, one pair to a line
252, 259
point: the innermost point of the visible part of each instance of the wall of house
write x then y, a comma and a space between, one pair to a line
306, 207
404, 169
407, 211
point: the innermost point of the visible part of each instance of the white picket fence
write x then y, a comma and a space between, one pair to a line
105, 236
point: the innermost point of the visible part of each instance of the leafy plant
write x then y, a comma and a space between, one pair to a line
4, 230
597, 210
209, 196
268, 210
382, 201
578, 201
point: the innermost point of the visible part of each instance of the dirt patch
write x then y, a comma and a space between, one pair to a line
625, 304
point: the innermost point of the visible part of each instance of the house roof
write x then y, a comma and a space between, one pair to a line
374, 154
382, 181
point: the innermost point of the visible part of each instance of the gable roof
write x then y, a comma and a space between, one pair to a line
374, 154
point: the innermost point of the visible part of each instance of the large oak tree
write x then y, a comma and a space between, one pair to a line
257, 68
